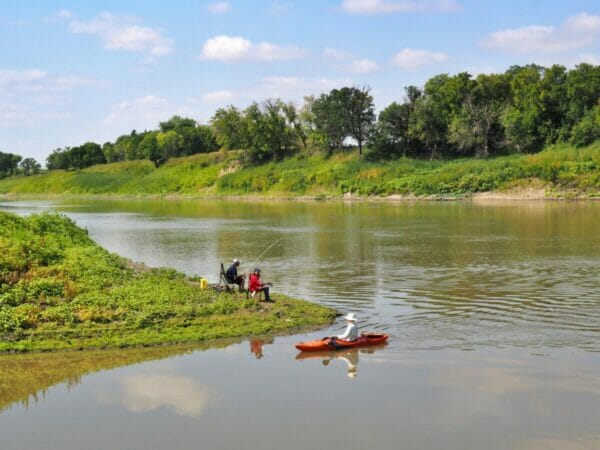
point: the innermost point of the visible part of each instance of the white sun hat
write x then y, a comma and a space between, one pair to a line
350, 317
235, 260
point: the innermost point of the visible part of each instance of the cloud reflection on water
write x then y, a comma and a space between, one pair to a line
182, 395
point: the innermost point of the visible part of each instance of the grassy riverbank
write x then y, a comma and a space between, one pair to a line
59, 290
558, 171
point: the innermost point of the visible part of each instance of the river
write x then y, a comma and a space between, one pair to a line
493, 312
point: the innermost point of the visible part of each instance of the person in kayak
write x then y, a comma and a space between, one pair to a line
351, 333
255, 285
233, 277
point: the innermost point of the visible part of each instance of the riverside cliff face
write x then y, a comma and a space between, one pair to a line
557, 172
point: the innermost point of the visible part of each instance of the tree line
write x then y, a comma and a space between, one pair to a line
178, 136
522, 110
11, 164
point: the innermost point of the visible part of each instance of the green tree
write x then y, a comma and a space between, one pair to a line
391, 138
230, 128
30, 166
113, 152
9, 163
330, 121
150, 149
170, 144
587, 130
522, 119
129, 144
442, 100
177, 123
583, 91
359, 113
204, 139
58, 159
272, 134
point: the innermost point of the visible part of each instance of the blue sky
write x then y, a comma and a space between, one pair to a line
73, 71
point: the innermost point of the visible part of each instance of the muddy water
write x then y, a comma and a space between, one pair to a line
493, 312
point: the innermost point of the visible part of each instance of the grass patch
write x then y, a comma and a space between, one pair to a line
59, 290
560, 168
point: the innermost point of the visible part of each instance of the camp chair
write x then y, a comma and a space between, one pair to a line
225, 284
260, 295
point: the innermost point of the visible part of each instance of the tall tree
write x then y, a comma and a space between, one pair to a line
359, 111
229, 128
391, 138
330, 121
30, 166
150, 149
9, 163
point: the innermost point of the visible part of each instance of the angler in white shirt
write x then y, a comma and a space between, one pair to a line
351, 333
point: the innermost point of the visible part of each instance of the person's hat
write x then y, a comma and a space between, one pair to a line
350, 317
235, 260
256, 269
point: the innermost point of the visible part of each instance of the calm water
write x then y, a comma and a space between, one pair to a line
493, 312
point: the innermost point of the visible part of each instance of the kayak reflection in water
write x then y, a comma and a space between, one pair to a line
349, 356
256, 346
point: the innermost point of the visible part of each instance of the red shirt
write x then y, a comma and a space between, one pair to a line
254, 283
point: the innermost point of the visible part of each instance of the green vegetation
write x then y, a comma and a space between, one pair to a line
60, 290
562, 170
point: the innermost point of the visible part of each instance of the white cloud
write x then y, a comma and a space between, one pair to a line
21, 114
532, 39
225, 48
278, 8
290, 88
590, 58
219, 7
64, 14
143, 113
348, 61
68, 82
412, 59
360, 66
579, 31
122, 33
294, 87
374, 7
221, 96
35, 80
147, 111
20, 76
337, 55
583, 23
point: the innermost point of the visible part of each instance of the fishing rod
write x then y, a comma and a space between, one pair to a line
264, 252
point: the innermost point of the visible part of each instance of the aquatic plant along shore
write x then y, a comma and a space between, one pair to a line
59, 290
560, 171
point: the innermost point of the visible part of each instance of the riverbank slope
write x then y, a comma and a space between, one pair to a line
59, 290
559, 171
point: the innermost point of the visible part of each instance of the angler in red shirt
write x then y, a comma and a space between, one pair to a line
255, 284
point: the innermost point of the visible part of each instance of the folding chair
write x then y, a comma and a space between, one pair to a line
224, 282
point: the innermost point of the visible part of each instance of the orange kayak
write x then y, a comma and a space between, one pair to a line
329, 343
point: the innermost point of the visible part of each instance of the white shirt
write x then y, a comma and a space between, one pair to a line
351, 333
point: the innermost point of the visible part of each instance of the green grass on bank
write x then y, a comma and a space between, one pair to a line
561, 169
60, 290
